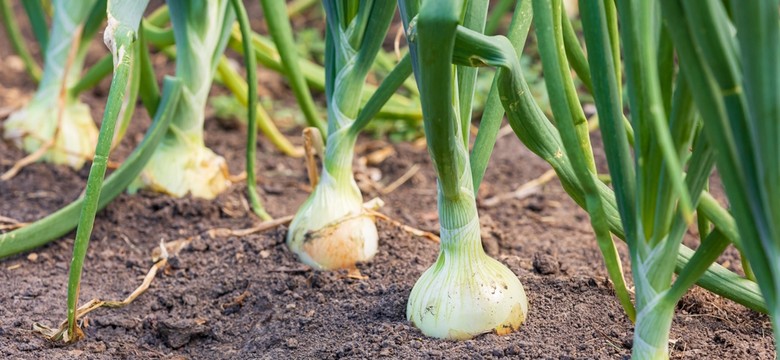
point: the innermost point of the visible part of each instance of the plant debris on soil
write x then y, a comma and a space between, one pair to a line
248, 297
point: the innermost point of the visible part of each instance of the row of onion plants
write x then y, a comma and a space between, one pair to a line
700, 79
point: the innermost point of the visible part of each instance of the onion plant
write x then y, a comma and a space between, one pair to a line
331, 229
121, 35
654, 194
735, 84
465, 292
124, 18
55, 122
702, 85
183, 164
652, 197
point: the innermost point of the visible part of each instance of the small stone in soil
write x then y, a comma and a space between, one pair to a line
545, 264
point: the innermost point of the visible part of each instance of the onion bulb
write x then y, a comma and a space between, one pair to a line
466, 292
331, 230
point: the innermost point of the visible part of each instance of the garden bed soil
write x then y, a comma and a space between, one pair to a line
248, 297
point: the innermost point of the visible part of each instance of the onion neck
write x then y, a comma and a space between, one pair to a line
651, 334
459, 223
339, 152
458, 209
655, 309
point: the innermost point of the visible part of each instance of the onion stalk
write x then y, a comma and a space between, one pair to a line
654, 248
465, 293
331, 230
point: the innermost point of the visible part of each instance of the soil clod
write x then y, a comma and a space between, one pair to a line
546, 264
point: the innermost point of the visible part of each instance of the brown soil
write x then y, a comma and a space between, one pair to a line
248, 297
